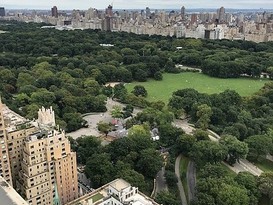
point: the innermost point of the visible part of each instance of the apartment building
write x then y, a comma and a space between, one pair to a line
48, 162
5, 170
17, 128
36, 158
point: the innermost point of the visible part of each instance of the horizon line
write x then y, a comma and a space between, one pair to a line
195, 8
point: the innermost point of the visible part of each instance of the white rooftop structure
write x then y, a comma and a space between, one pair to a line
118, 192
46, 117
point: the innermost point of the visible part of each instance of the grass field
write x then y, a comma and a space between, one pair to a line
162, 90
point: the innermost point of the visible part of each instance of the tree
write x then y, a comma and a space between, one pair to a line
116, 112
236, 148
125, 172
250, 182
259, 146
270, 71
74, 121
223, 190
104, 127
158, 105
204, 113
149, 163
166, 198
120, 92
171, 178
201, 135
213, 170
107, 91
86, 146
185, 143
265, 184
24, 79
169, 134
140, 90
232, 195
91, 86
158, 76
99, 169
208, 152
43, 98
128, 111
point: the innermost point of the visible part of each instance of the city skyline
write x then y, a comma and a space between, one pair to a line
137, 4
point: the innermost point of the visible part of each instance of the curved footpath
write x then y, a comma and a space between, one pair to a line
179, 183
191, 180
160, 183
242, 166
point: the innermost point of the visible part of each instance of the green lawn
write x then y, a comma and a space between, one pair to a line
264, 164
183, 174
97, 197
162, 90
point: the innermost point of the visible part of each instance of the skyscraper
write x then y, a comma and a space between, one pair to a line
109, 11
183, 13
54, 11
221, 14
2, 11
148, 12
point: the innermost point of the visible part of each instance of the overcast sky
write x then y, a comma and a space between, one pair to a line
137, 4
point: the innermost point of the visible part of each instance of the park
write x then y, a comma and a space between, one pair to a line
162, 90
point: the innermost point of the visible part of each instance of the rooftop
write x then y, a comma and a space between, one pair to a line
8, 195
102, 194
119, 184
12, 119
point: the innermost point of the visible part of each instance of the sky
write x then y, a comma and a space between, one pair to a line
136, 4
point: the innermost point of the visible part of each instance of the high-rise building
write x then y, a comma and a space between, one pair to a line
107, 24
2, 11
221, 15
183, 13
49, 169
17, 129
109, 11
5, 171
54, 11
148, 12
36, 159
194, 18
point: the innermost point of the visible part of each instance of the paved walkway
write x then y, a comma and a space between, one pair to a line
94, 118
191, 180
161, 184
244, 165
269, 157
179, 183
